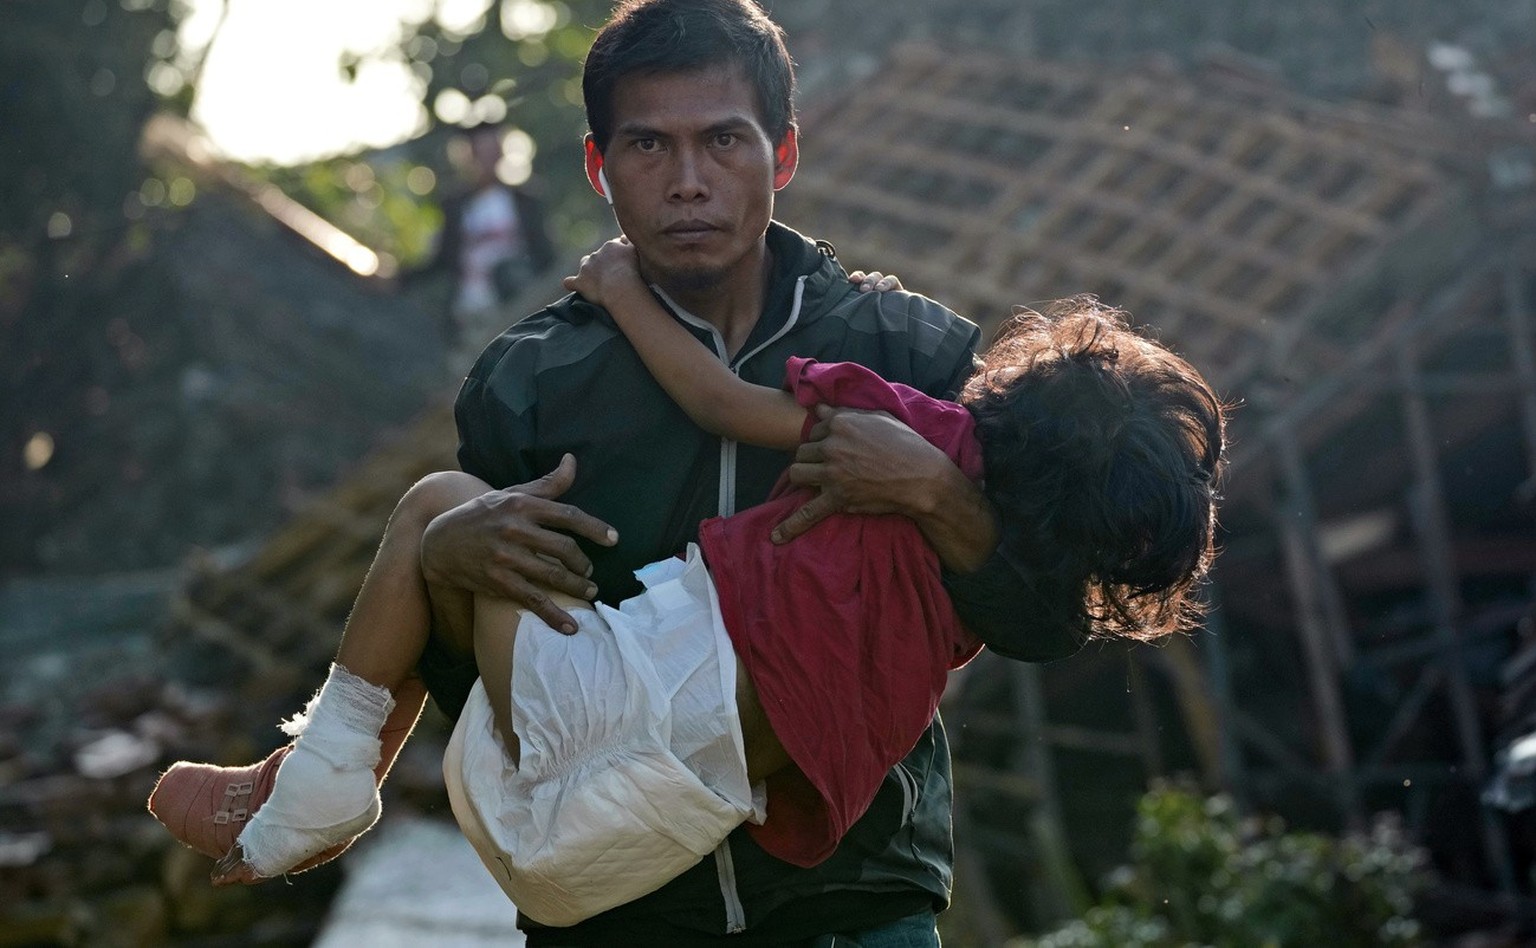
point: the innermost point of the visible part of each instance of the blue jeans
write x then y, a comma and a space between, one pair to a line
914, 931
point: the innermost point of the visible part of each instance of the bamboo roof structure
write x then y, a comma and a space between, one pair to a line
1226, 212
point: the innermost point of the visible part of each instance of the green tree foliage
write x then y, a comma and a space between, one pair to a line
519, 63
1203, 875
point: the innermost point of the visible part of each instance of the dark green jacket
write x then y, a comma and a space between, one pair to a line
565, 380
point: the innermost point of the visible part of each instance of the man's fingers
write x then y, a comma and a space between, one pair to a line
573, 519
529, 582
812, 451
558, 551
519, 570
532, 516
808, 474
540, 603
561, 516
825, 415
809, 514
554, 483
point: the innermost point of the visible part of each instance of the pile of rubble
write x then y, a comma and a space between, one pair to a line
92, 716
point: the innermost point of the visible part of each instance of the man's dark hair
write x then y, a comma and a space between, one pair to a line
654, 37
1101, 452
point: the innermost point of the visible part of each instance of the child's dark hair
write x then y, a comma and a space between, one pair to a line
1102, 450
650, 37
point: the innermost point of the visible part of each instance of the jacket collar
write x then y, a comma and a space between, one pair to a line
794, 256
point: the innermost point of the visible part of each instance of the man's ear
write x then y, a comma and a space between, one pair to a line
595, 175
786, 158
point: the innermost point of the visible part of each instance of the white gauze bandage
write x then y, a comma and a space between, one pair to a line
325, 791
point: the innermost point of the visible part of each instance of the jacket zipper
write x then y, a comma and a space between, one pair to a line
725, 867
725, 870
725, 503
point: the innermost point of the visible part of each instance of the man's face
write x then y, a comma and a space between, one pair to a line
692, 174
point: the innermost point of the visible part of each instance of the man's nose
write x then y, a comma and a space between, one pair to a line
689, 178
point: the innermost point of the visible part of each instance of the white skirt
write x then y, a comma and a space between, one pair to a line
633, 766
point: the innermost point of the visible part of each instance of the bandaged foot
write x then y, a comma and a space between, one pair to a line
302, 805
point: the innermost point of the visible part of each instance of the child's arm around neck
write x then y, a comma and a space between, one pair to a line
718, 400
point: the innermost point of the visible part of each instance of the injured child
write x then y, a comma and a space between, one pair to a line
773, 684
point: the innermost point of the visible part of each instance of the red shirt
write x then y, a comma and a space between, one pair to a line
847, 631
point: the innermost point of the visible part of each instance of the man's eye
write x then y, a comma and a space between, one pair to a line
646, 144
725, 139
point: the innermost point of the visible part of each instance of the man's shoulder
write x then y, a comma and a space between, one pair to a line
831, 295
906, 337
900, 306
928, 326
562, 335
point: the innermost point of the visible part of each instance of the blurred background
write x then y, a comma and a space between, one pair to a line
228, 344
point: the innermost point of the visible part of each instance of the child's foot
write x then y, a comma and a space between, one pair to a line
319, 800
306, 802
207, 807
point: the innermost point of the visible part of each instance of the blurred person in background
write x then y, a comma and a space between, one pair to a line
493, 242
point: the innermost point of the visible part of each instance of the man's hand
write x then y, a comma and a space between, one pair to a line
863, 462
505, 544
867, 462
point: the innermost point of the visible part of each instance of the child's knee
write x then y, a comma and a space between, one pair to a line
438, 493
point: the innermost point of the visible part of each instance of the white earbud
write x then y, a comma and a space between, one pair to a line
602, 183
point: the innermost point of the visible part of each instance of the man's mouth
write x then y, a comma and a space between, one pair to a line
690, 229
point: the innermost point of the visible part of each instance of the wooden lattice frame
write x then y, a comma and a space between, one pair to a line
1221, 216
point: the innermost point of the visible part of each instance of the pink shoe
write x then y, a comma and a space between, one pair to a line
205, 807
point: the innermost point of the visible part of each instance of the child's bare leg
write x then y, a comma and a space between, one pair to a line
387, 630
495, 633
313, 803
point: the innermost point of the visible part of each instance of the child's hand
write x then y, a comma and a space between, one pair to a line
875, 281
607, 273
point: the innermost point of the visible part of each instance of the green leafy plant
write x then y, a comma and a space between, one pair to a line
1202, 874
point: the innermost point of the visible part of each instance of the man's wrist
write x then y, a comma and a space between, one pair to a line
938, 490
961, 524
